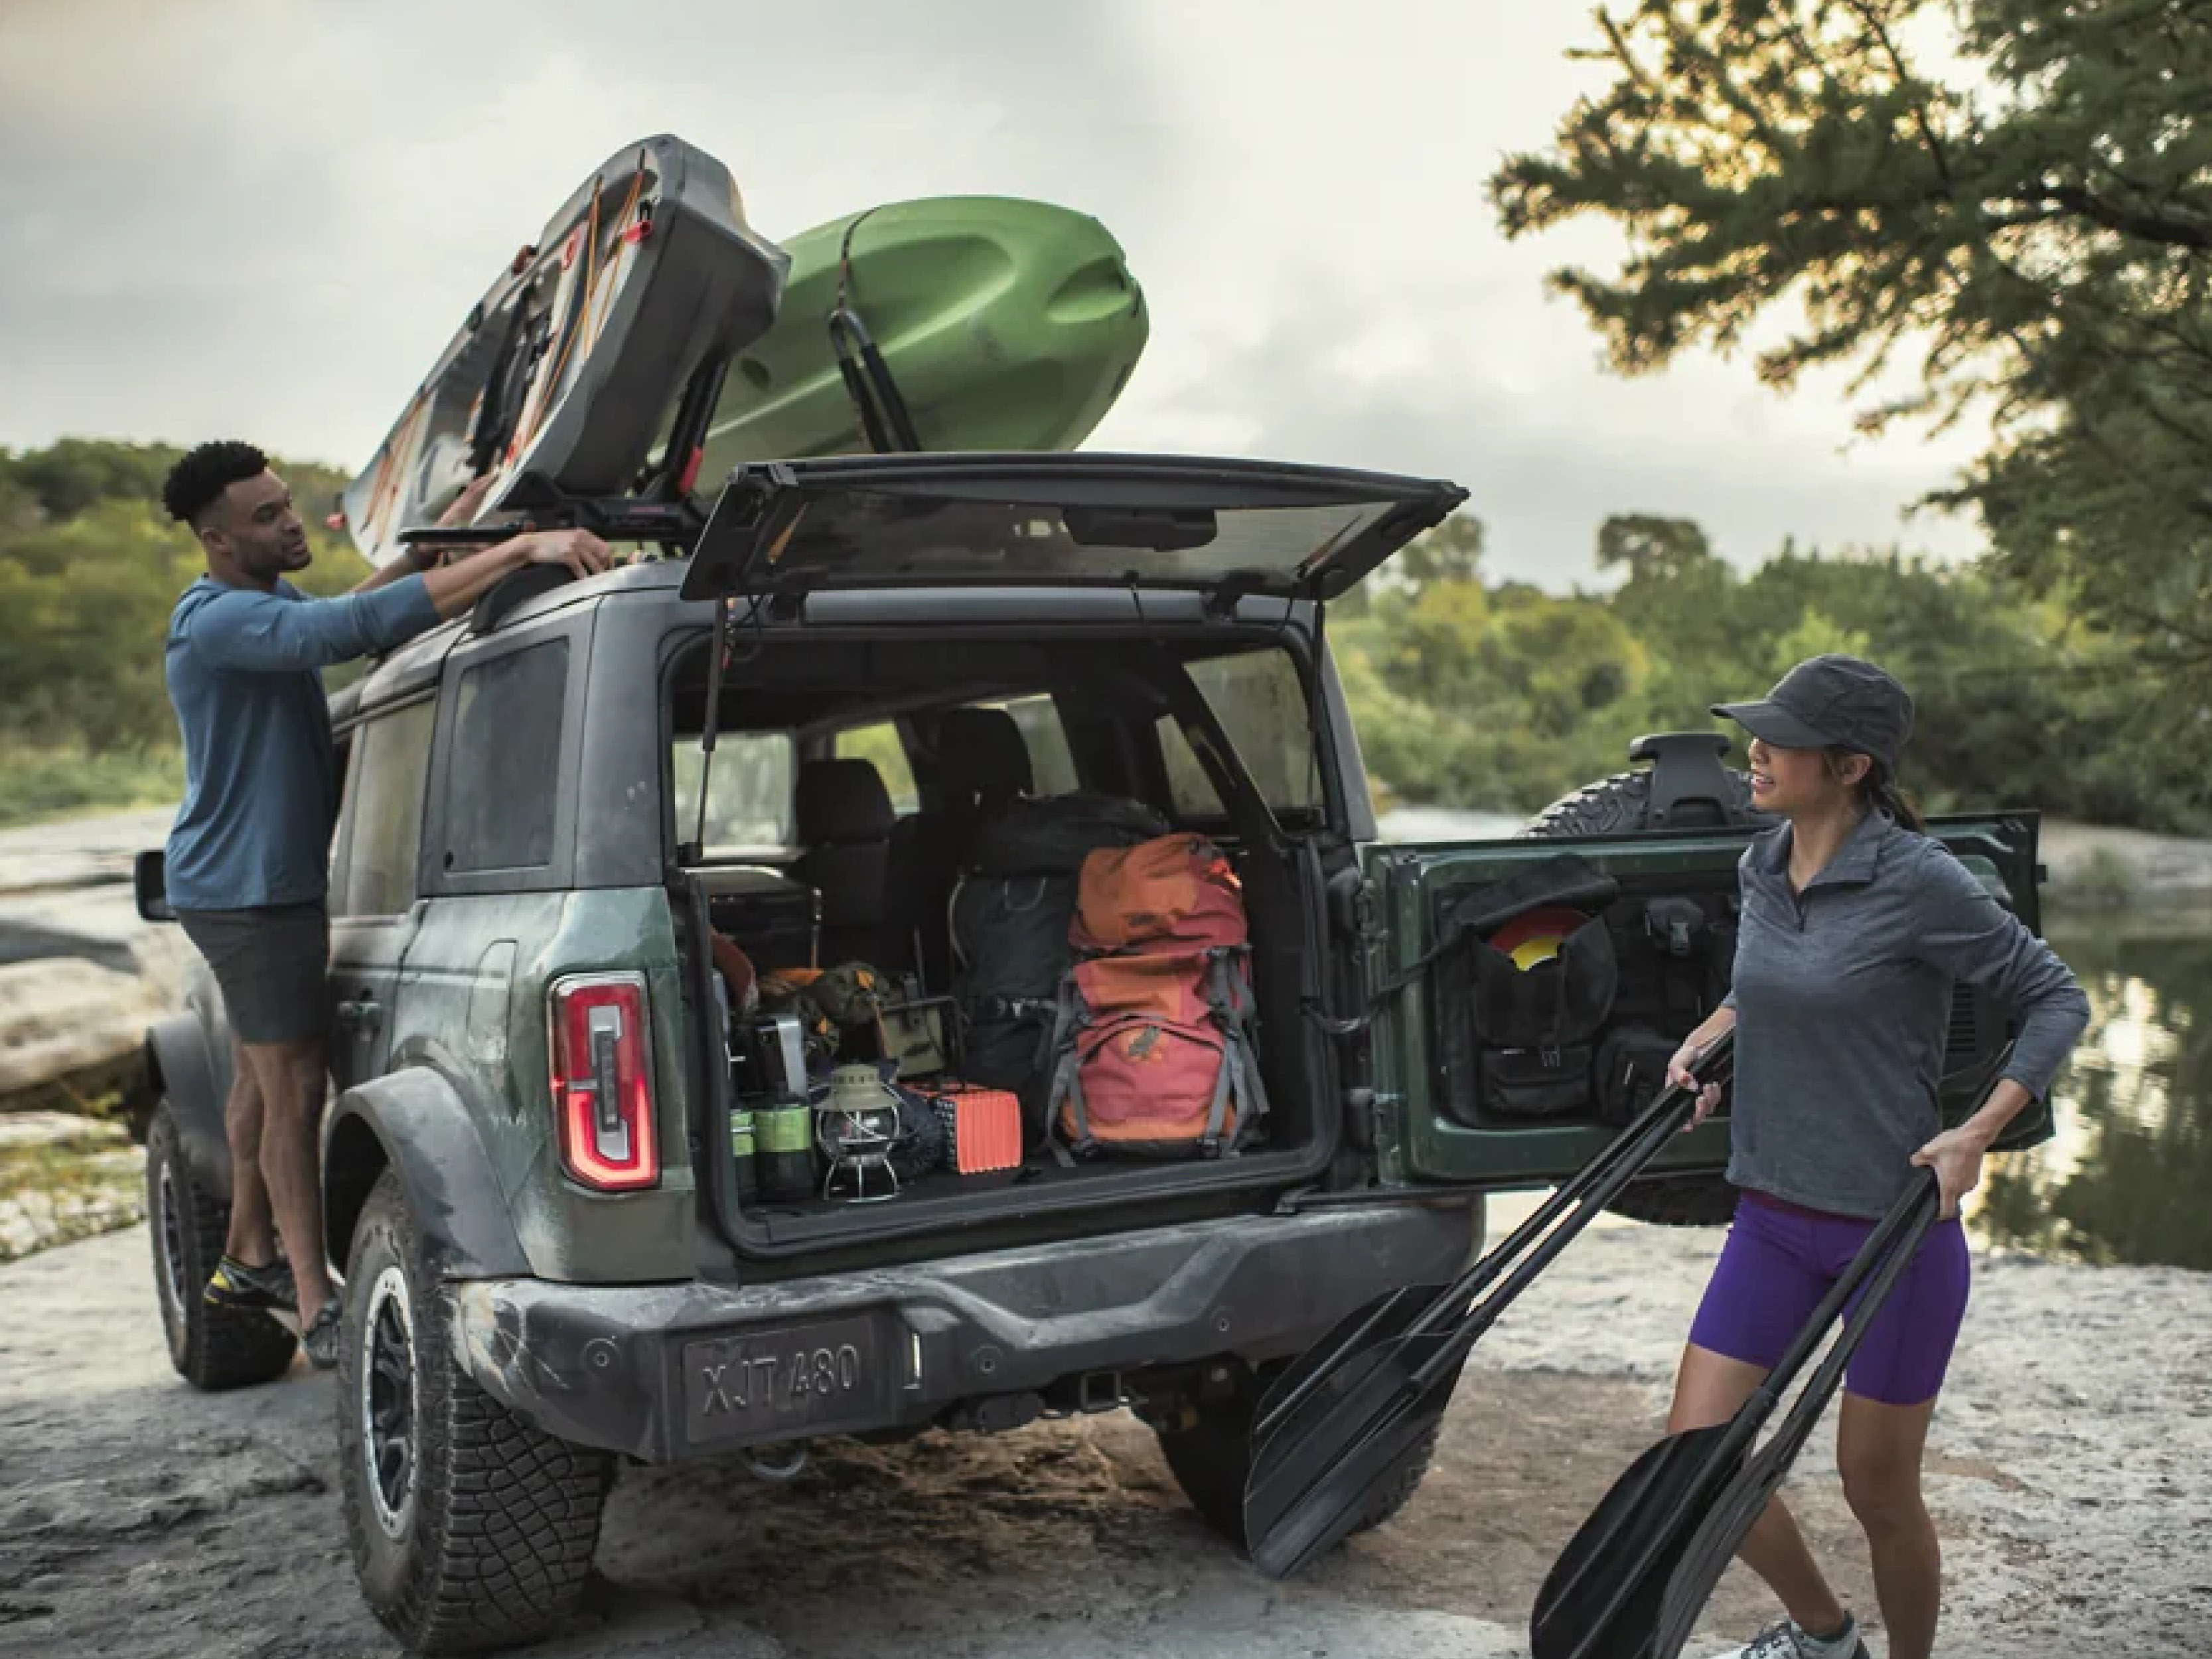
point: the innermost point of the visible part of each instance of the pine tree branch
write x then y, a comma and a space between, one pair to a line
1904, 77
2165, 228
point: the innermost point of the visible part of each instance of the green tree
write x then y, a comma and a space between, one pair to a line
2034, 221
1816, 635
1449, 552
90, 568
1680, 598
1652, 548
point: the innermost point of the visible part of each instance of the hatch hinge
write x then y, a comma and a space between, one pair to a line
1220, 599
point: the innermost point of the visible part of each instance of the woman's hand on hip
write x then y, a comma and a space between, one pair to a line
1956, 1157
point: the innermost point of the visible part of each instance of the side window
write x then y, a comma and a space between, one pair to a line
748, 798
342, 824
1262, 706
1051, 762
384, 837
502, 776
881, 744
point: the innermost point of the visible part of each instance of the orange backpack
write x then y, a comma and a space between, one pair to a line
1152, 1050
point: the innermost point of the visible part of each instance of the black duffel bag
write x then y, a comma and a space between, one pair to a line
1011, 915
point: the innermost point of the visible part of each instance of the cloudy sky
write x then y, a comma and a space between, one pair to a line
265, 218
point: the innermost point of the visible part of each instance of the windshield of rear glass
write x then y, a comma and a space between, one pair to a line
1261, 704
865, 537
748, 802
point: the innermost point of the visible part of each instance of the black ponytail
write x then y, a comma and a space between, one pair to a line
1879, 791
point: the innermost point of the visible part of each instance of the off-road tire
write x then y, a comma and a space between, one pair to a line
490, 1538
1620, 804
1617, 805
212, 1348
1211, 1457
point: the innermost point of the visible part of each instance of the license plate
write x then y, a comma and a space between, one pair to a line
808, 1379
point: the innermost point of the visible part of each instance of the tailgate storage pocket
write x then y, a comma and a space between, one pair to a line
1525, 1037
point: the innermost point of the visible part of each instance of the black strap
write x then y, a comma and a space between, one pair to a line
1564, 880
867, 377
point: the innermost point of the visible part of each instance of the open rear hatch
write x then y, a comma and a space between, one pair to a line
1225, 527
1228, 530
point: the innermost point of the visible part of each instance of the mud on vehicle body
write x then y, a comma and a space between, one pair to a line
553, 1258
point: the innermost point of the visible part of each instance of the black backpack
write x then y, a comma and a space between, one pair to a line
1010, 917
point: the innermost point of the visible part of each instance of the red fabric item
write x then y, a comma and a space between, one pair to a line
1174, 891
736, 969
1152, 1081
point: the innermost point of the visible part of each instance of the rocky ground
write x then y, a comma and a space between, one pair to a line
65, 1177
2071, 1469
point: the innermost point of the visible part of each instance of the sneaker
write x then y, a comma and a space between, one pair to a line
320, 1338
234, 1284
1789, 1639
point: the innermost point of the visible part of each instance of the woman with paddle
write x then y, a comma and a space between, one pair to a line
1855, 925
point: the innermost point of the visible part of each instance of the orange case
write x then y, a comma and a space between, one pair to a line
986, 1125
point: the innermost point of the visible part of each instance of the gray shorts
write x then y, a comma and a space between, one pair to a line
273, 966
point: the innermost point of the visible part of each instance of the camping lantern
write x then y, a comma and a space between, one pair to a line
856, 1126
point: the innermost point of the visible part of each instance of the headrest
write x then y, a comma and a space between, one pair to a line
841, 802
980, 752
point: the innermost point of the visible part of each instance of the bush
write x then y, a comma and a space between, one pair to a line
73, 781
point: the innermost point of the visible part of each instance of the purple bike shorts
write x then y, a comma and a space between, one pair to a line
1781, 1259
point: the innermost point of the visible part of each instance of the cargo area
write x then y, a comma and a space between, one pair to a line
879, 893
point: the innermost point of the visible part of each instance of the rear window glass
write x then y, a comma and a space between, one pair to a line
748, 802
391, 763
501, 778
1052, 764
880, 745
1262, 706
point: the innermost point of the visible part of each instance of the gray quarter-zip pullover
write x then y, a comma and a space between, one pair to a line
1843, 1001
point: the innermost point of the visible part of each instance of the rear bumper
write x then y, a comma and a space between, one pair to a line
666, 1372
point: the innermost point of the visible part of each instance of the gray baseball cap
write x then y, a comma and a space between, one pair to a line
1831, 702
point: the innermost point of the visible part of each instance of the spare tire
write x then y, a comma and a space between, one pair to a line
1621, 804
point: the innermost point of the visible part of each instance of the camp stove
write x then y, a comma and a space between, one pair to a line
857, 1127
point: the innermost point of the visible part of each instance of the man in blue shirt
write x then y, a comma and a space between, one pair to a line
248, 859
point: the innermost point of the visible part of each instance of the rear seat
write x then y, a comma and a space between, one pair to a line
982, 762
844, 820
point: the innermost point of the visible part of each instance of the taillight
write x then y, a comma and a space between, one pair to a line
602, 1093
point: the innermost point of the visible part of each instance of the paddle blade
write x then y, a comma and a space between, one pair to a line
1303, 1511
1603, 1596
1365, 1331
1710, 1549
1360, 1398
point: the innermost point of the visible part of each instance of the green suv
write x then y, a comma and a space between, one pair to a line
553, 1258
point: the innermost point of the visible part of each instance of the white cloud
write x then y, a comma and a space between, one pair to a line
270, 224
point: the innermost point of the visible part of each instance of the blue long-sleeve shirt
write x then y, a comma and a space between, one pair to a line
261, 778
1843, 1001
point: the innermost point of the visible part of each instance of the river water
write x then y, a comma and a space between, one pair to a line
2127, 1174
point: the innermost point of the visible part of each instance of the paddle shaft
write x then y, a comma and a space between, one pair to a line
1905, 1226
1599, 1180
1595, 1186
1707, 1556
1904, 1216
1907, 1220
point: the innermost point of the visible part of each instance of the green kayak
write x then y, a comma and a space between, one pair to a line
995, 324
